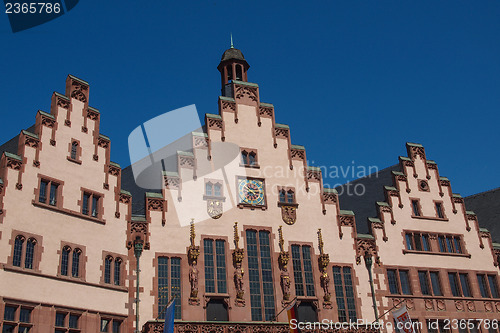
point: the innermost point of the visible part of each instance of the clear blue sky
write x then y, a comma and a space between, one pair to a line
354, 80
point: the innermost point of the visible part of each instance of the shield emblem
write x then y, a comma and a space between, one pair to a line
214, 208
289, 214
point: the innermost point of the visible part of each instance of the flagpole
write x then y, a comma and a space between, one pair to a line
276, 316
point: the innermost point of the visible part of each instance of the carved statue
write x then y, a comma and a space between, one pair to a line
238, 280
238, 256
285, 285
193, 280
325, 284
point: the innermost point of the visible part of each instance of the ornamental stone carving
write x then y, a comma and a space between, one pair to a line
245, 92
289, 213
79, 91
193, 253
238, 256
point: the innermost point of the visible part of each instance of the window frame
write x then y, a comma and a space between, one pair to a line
458, 275
111, 320
15, 321
399, 286
245, 154
212, 183
178, 313
48, 191
344, 291
286, 191
81, 264
416, 208
440, 211
215, 265
78, 153
115, 257
428, 280
487, 284
302, 269
36, 255
100, 205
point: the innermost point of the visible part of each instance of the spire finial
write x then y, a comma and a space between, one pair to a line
232, 46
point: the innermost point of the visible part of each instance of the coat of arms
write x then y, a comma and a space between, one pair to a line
214, 208
289, 214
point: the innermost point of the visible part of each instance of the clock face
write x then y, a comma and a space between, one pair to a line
251, 191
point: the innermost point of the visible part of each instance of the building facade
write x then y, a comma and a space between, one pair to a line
265, 232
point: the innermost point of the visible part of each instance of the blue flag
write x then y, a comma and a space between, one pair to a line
168, 326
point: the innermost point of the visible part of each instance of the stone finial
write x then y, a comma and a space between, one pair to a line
281, 241
320, 241
192, 234
236, 235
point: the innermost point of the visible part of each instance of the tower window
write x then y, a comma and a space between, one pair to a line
229, 69
239, 75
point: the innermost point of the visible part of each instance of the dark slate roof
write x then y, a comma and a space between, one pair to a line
232, 53
364, 206
486, 205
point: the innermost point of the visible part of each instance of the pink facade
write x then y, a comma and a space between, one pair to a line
68, 234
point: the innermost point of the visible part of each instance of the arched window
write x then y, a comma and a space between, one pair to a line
118, 263
65, 260
251, 158
290, 196
208, 189
239, 74
244, 157
30, 252
217, 190
75, 267
18, 251
74, 149
229, 73
107, 269
282, 196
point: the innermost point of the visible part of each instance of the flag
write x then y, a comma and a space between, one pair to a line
168, 326
403, 320
291, 311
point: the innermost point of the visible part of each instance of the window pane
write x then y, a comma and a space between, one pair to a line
464, 281
339, 293
418, 244
118, 264
267, 275
42, 197
251, 159
436, 286
254, 275
244, 159
8, 328
208, 189
85, 205
409, 244
308, 274
282, 196
107, 269
416, 210
209, 265
454, 284
9, 313
74, 146
425, 243
393, 283
297, 271
175, 285
65, 261
217, 190
116, 326
24, 329
25, 315
60, 319
290, 197
439, 210
482, 285
349, 293
162, 285
53, 194
95, 207
18, 250
424, 283
30, 251
75, 270
493, 286
220, 252
458, 247
449, 245
73, 321
405, 282
442, 245
104, 325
